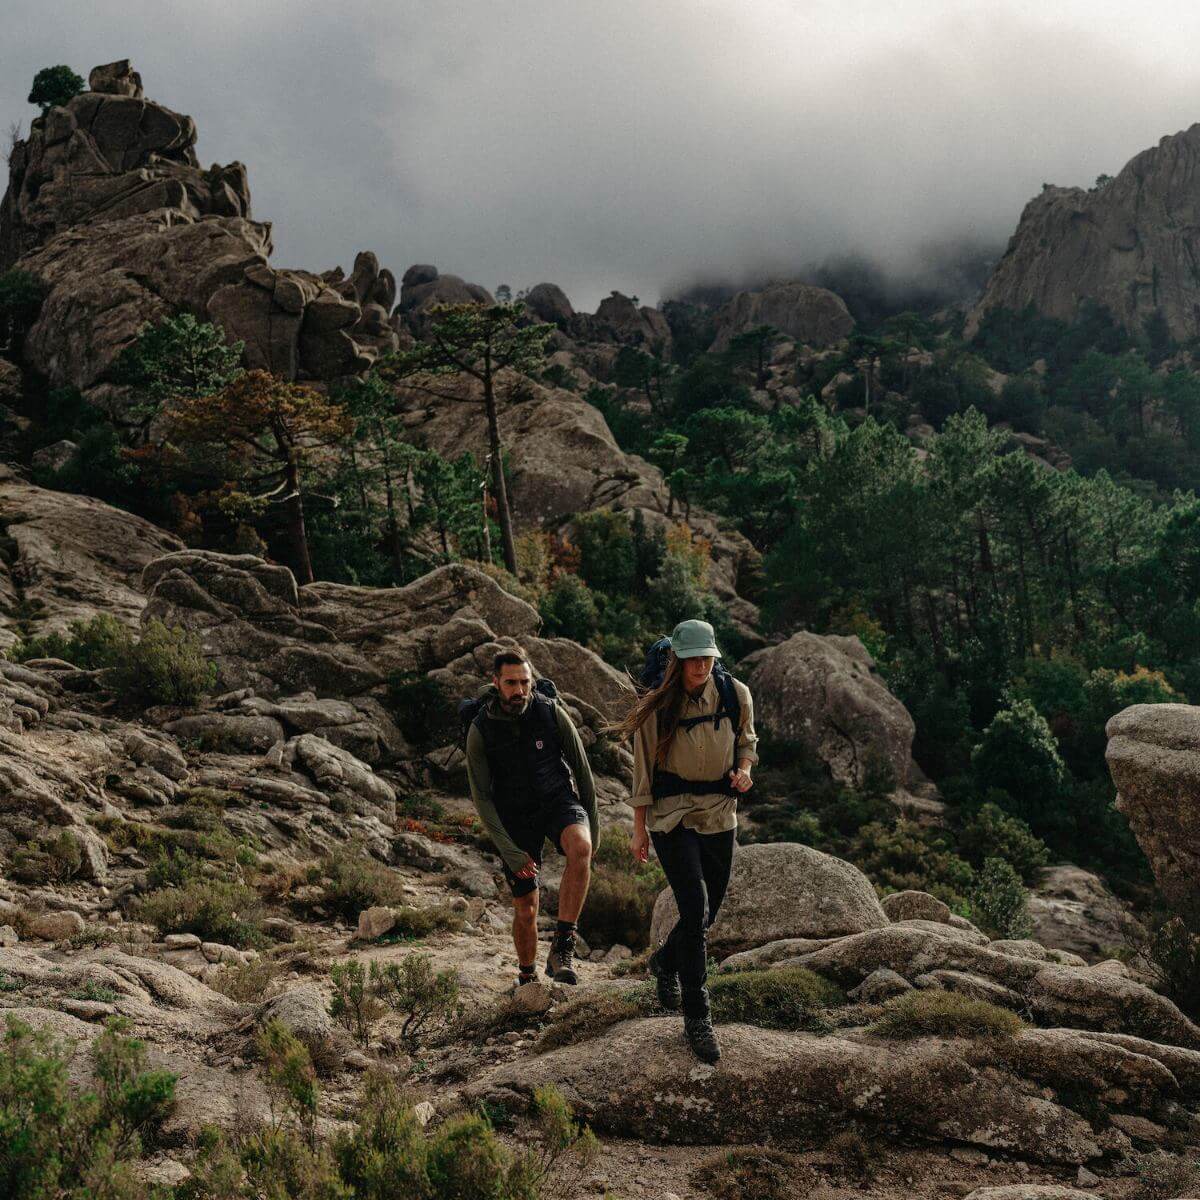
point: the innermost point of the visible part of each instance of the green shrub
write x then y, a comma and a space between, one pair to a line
54, 860
1171, 951
21, 296
933, 1012
784, 998
354, 1004
1019, 757
101, 642
92, 990
991, 833
387, 1154
423, 709
999, 901
427, 1001
215, 910
908, 856
250, 982
353, 881
621, 895
57, 1141
750, 1173
568, 609
591, 1014
54, 86
166, 666
1162, 1175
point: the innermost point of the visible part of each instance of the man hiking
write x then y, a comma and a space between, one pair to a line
531, 782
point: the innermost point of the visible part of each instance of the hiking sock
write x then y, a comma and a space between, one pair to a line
526, 974
564, 929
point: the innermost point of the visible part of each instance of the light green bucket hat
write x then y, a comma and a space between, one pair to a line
694, 639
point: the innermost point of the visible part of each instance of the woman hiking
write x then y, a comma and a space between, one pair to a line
694, 745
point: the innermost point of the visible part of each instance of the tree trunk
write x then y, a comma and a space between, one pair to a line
498, 488
295, 511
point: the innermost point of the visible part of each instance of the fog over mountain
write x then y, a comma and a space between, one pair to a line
643, 147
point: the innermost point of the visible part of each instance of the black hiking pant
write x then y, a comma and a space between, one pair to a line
697, 866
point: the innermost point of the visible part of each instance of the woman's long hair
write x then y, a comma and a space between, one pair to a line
666, 700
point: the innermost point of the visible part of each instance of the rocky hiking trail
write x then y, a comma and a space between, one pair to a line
835, 1056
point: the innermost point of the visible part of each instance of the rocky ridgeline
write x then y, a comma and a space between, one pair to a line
1129, 244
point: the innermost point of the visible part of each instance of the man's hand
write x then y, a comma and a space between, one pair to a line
528, 871
639, 845
740, 778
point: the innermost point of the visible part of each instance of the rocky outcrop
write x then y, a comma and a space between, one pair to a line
825, 693
562, 460
68, 558
619, 319
1131, 244
810, 315
1154, 757
782, 890
109, 207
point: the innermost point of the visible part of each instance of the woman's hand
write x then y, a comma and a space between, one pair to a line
739, 777
639, 844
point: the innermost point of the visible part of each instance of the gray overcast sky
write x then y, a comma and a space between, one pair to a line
637, 145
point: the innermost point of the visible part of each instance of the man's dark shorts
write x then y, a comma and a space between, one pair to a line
546, 826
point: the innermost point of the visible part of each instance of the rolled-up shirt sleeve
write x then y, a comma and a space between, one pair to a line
746, 749
645, 744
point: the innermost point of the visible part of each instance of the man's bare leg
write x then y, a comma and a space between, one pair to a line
576, 844
524, 928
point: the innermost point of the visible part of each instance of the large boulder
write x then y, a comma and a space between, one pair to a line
1074, 910
423, 287
1128, 245
638, 1081
825, 693
549, 303
1154, 757
808, 314
783, 890
70, 558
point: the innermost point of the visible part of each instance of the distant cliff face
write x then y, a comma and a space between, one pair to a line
1132, 245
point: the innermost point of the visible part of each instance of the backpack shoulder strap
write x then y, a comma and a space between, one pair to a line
731, 706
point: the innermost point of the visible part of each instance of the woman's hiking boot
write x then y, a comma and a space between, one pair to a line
697, 1025
666, 982
702, 1038
560, 962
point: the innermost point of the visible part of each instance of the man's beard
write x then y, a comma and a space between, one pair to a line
514, 708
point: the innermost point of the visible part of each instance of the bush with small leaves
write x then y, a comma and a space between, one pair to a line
216, 910
1170, 950
750, 1173
59, 1141
354, 1003
289, 1075
424, 710
991, 833
427, 1001
352, 880
932, 1012
55, 860
999, 901
101, 642
165, 666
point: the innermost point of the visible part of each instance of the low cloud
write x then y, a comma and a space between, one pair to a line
644, 147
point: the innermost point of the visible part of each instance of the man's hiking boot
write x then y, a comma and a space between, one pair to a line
560, 962
666, 982
702, 1039
524, 977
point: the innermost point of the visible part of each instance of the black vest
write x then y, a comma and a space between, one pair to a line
525, 757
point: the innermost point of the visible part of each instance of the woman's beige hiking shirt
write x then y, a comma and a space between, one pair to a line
700, 752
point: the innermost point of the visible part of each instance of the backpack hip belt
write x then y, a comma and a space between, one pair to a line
667, 783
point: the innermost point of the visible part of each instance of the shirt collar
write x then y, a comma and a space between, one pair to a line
706, 696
